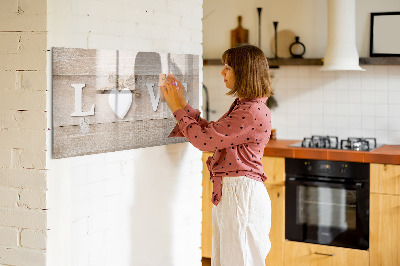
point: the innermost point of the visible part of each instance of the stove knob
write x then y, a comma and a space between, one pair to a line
308, 166
343, 168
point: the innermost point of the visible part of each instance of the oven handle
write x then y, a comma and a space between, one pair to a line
357, 185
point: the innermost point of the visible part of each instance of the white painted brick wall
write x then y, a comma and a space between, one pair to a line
23, 126
34, 239
9, 237
135, 207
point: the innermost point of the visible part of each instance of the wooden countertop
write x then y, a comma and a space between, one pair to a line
389, 154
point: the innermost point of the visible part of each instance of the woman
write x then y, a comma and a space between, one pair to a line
242, 208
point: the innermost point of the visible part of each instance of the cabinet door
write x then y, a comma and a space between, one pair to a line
277, 233
304, 254
384, 230
274, 168
385, 178
206, 226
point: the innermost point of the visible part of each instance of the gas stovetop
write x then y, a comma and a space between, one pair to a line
332, 142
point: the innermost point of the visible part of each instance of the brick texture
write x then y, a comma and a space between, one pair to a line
23, 125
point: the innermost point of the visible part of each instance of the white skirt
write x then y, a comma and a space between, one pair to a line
241, 223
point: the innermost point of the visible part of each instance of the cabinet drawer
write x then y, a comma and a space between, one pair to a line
305, 254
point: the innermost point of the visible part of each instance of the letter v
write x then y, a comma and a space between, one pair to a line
154, 100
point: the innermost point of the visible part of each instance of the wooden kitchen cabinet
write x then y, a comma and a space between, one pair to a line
277, 233
206, 225
305, 254
384, 236
274, 168
385, 178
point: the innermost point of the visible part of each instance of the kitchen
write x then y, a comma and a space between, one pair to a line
97, 209
313, 104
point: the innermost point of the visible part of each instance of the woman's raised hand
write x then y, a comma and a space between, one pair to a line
174, 93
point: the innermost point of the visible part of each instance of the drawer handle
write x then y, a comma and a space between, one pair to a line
325, 254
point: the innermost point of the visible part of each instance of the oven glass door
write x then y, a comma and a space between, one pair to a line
326, 213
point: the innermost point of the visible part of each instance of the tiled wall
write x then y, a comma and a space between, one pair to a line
23, 133
340, 103
343, 103
133, 207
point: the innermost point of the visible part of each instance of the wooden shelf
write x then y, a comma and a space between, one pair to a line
380, 61
273, 63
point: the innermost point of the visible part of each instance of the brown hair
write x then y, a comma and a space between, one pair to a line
250, 66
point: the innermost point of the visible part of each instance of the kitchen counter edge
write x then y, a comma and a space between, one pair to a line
385, 154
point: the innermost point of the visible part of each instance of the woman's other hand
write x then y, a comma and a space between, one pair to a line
174, 92
181, 90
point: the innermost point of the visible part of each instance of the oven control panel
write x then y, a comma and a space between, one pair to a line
338, 169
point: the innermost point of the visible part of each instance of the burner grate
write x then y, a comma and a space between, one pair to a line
358, 144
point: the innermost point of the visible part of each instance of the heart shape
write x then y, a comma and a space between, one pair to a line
120, 101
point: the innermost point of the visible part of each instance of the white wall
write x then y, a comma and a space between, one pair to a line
134, 207
305, 18
23, 133
311, 102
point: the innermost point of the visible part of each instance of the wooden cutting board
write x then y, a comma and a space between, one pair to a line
239, 35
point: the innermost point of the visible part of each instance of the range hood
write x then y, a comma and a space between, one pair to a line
341, 51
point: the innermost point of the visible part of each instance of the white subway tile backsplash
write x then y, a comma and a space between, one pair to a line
394, 97
393, 71
355, 109
329, 123
292, 83
394, 110
382, 136
328, 74
291, 71
394, 137
304, 72
382, 123
355, 132
355, 102
381, 97
367, 110
354, 80
367, 133
394, 83
355, 96
329, 109
342, 122
355, 122
367, 96
342, 96
394, 123
329, 93
316, 82
342, 109
381, 84
316, 72
303, 82
382, 110
368, 122
342, 81
380, 71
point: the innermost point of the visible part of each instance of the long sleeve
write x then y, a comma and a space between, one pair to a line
193, 113
231, 130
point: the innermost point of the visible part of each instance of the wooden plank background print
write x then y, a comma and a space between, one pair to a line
109, 100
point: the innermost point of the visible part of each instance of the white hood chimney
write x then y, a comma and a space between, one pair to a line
341, 51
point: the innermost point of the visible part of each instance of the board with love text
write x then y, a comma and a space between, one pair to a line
110, 100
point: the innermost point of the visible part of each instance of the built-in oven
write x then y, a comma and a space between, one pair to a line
327, 202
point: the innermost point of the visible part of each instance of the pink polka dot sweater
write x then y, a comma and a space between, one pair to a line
238, 139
